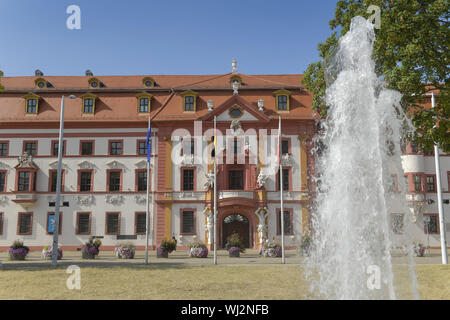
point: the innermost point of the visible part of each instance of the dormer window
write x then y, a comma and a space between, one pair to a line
235, 78
40, 83
189, 103
148, 82
282, 102
189, 100
88, 103
144, 100
32, 106
282, 99
235, 112
94, 83
31, 103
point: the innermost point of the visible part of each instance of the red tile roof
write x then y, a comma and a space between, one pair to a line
117, 99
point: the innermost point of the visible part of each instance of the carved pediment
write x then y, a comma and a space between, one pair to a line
114, 199
86, 200
115, 164
4, 166
26, 162
54, 164
142, 164
86, 165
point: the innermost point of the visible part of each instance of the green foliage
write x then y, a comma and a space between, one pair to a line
17, 244
196, 244
234, 241
127, 245
168, 245
411, 55
93, 242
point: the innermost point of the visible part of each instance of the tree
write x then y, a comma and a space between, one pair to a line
1, 75
411, 54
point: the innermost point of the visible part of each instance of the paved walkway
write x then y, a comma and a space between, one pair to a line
176, 259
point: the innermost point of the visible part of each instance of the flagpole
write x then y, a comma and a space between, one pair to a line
148, 191
283, 260
215, 192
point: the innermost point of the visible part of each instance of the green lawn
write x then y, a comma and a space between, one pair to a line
196, 282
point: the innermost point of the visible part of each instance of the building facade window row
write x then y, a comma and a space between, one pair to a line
86, 148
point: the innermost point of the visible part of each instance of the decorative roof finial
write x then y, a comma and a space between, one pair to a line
234, 65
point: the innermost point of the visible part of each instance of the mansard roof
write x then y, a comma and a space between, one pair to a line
116, 100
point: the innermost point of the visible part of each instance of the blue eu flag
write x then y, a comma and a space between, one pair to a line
149, 142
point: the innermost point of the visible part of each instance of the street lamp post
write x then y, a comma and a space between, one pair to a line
439, 198
58, 184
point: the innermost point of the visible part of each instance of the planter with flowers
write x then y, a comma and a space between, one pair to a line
18, 251
47, 253
234, 246
91, 248
125, 250
198, 249
419, 250
166, 247
273, 250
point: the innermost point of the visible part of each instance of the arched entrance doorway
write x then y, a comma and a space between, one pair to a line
236, 223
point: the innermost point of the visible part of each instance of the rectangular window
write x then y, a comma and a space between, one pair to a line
55, 148
236, 179
2, 181
284, 147
187, 226
430, 184
236, 146
188, 147
31, 106
30, 148
285, 179
112, 223
83, 223
282, 102
417, 182
189, 103
188, 179
88, 106
140, 222
142, 148
287, 222
24, 181
1, 223
3, 149
51, 223
142, 180
85, 181
431, 223
87, 148
397, 223
143, 104
25, 223
54, 176
114, 180
115, 148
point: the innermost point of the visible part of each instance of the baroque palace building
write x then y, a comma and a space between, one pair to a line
105, 159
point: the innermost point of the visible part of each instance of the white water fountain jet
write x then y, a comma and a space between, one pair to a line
351, 225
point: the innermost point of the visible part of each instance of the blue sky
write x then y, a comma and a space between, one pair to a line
137, 37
